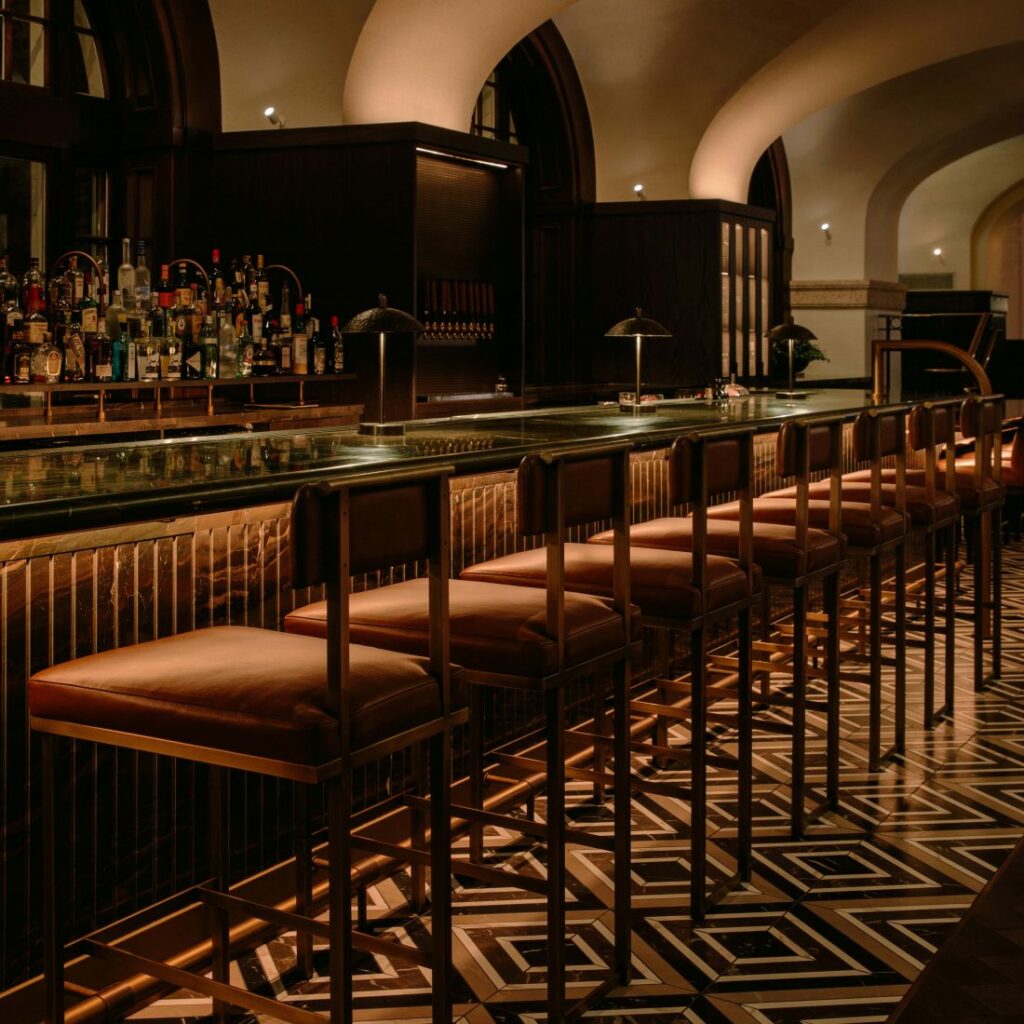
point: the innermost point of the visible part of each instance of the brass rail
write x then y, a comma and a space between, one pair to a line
882, 345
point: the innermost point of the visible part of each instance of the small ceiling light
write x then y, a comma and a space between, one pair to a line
639, 190
936, 251
827, 229
273, 117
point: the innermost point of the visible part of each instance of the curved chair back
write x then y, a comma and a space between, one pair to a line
809, 445
879, 433
981, 421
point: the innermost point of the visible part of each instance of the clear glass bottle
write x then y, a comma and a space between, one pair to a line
211, 349
142, 281
148, 353
126, 273
76, 281
100, 356
47, 362
115, 316
74, 350
32, 288
227, 342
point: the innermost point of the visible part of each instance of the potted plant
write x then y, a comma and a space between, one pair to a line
805, 352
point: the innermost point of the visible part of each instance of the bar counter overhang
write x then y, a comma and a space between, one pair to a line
107, 545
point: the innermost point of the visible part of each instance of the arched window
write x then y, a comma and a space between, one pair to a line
90, 75
492, 114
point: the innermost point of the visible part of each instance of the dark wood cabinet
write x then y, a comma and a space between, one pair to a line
363, 210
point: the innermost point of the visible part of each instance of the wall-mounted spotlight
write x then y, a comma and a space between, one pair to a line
937, 253
826, 229
638, 189
272, 115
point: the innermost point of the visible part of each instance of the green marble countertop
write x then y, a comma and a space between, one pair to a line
95, 485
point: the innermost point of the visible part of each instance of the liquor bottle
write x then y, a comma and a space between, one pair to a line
100, 357
47, 362
130, 366
246, 347
195, 311
262, 284
8, 284
74, 350
102, 284
60, 311
170, 354
337, 347
118, 355
116, 316
264, 360
210, 345
191, 350
11, 320
76, 282
227, 343
217, 280
284, 333
32, 291
318, 349
300, 341
126, 273
164, 289
35, 323
183, 286
142, 276
88, 307
20, 356
148, 353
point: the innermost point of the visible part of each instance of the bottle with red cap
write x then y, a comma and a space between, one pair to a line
336, 348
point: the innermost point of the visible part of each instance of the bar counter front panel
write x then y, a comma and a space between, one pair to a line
107, 545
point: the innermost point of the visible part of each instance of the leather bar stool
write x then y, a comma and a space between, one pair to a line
872, 531
933, 509
790, 558
288, 707
539, 641
676, 591
982, 492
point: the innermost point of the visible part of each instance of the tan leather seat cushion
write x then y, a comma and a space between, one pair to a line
493, 628
661, 581
775, 547
967, 491
922, 512
251, 691
862, 529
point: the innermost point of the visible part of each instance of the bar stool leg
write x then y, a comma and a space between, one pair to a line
476, 770
440, 876
339, 819
554, 700
219, 864
303, 876
799, 748
745, 766
900, 744
997, 592
600, 729
698, 777
831, 588
53, 892
623, 825
418, 831
980, 597
950, 666
663, 663
875, 671
929, 630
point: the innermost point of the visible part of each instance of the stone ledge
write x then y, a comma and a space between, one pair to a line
887, 296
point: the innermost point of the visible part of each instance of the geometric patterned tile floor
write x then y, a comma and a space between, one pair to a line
831, 930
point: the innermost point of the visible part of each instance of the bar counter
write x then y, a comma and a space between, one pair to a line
90, 486
105, 545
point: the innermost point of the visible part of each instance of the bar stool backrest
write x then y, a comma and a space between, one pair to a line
340, 528
706, 465
931, 426
877, 434
981, 421
809, 445
574, 487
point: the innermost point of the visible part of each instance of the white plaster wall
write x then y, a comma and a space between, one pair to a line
943, 210
293, 56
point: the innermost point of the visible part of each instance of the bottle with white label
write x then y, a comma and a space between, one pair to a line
126, 275
142, 283
148, 354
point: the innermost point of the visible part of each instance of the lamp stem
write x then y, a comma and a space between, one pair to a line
792, 376
380, 405
636, 394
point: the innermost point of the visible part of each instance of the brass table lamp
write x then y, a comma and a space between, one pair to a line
638, 327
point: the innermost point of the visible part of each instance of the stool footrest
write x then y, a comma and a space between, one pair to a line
390, 948
196, 982
296, 922
498, 876
398, 852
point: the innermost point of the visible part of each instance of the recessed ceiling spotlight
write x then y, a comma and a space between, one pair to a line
936, 251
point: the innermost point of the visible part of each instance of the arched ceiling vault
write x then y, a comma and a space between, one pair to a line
858, 46
987, 229
426, 60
